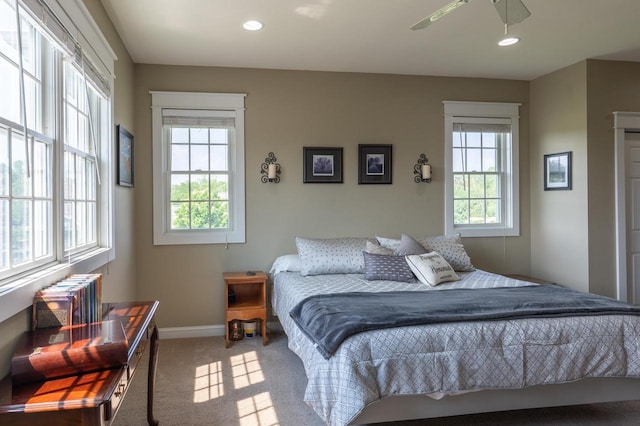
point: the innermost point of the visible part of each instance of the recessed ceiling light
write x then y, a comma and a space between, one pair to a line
508, 41
252, 25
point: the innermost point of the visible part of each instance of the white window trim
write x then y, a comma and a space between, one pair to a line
17, 295
204, 101
453, 112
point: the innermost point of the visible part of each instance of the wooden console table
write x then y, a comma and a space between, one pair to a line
91, 398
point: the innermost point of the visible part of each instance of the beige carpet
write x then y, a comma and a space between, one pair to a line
199, 382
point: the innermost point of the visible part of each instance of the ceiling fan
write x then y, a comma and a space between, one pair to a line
510, 11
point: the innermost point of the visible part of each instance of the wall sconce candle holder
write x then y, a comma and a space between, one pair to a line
422, 170
270, 169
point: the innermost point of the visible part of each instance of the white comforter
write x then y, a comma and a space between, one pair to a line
447, 359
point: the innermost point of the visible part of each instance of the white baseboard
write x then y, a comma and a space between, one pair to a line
203, 331
188, 332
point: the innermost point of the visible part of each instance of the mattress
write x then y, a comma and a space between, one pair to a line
443, 360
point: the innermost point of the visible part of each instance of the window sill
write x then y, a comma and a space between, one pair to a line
486, 232
17, 295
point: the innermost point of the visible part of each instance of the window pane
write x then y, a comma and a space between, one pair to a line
179, 135
91, 180
81, 223
200, 215
69, 220
179, 158
69, 176
476, 211
461, 212
33, 94
42, 229
91, 223
220, 214
5, 227
81, 176
489, 140
219, 187
489, 160
219, 136
20, 184
199, 157
9, 87
41, 170
200, 135
473, 139
492, 211
179, 188
199, 187
474, 160
476, 186
4, 162
491, 186
9, 37
457, 139
460, 186
459, 160
180, 216
21, 231
219, 158
71, 129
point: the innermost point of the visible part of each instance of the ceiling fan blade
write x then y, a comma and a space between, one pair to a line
439, 14
511, 11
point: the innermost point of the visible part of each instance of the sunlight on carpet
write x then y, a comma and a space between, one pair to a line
257, 410
208, 382
246, 370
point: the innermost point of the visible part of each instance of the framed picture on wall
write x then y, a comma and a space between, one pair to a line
125, 156
557, 171
322, 165
374, 164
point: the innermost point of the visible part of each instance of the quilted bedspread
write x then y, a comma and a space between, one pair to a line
450, 358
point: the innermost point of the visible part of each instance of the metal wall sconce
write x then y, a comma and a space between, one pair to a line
270, 170
422, 170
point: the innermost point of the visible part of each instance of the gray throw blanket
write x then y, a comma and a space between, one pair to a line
328, 319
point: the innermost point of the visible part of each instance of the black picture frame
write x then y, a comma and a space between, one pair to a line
125, 156
374, 164
322, 165
557, 171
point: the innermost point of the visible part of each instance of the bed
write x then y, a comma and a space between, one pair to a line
443, 369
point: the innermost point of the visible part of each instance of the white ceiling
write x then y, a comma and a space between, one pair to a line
373, 36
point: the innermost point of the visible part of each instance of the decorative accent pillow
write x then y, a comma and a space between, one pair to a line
386, 267
450, 247
286, 263
431, 268
390, 243
332, 255
409, 246
375, 248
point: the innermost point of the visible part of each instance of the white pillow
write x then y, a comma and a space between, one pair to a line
286, 263
431, 268
331, 256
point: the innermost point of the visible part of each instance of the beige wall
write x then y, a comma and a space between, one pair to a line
119, 275
612, 86
573, 232
558, 118
285, 111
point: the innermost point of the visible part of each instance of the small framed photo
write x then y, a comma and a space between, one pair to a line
374, 164
557, 171
125, 157
322, 165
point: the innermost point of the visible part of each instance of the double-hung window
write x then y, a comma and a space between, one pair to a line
55, 133
481, 162
198, 142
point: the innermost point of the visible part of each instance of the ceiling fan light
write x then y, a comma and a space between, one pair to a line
252, 25
508, 41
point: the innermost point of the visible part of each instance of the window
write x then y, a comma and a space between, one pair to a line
198, 141
481, 162
54, 212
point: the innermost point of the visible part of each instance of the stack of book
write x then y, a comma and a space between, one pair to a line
72, 301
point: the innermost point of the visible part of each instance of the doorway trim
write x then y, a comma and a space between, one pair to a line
622, 122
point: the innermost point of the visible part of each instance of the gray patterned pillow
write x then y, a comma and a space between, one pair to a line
387, 267
331, 256
375, 248
451, 249
409, 246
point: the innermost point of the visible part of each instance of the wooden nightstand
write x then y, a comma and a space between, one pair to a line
250, 300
